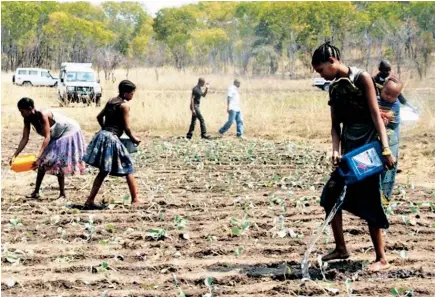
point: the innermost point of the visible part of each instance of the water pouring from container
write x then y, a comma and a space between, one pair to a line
354, 167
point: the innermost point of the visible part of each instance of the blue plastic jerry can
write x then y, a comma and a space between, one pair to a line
361, 163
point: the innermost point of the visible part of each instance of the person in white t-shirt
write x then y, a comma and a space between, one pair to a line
233, 109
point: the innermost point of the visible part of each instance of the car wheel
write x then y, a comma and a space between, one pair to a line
27, 84
326, 87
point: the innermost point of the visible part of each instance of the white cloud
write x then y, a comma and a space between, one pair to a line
153, 6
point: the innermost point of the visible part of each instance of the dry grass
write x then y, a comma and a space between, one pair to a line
273, 108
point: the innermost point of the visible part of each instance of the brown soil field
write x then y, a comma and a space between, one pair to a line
227, 217
205, 189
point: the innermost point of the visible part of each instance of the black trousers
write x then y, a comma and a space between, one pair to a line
195, 116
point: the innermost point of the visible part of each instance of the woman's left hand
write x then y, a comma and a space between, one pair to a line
35, 164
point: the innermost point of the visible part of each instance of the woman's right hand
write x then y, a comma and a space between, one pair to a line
136, 141
389, 161
11, 159
336, 158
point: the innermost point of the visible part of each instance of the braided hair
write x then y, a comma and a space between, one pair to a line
324, 52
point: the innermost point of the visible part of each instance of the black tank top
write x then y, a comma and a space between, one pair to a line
113, 116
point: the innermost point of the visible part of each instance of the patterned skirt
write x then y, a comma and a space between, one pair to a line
64, 154
107, 153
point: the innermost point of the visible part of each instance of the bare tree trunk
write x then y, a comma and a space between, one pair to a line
157, 74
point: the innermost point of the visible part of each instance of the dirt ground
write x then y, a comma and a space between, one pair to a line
226, 217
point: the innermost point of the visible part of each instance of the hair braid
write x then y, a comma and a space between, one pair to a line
324, 52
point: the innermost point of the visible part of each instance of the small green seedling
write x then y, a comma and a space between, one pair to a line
208, 282
15, 223
348, 285
408, 221
110, 228
13, 257
278, 201
238, 251
402, 292
157, 234
239, 228
126, 200
415, 209
180, 223
103, 267
89, 226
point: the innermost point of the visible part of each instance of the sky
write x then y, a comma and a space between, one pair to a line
153, 6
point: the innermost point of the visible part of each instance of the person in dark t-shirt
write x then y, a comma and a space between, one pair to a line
197, 93
106, 151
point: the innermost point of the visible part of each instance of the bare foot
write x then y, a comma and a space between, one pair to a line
136, 201
378, 266
33, 196
62, 195
336, 255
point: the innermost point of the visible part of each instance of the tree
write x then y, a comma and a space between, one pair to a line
262, 37
174, 26
209, 42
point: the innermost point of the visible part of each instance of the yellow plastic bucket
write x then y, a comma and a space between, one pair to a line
23, 163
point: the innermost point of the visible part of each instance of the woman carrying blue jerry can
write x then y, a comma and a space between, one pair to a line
356, 121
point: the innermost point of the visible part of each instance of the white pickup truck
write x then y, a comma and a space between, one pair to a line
321, 83
78, 83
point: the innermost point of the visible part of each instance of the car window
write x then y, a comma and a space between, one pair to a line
33, 72
45, 74
81, 76
22, 72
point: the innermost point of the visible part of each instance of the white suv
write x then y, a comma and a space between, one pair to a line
34, 77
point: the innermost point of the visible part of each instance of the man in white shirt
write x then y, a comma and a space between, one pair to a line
233, 109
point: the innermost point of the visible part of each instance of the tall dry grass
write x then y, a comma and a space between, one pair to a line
273, 108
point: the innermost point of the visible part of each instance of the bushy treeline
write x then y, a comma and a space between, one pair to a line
259, 38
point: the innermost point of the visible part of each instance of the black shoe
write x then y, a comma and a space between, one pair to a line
188, 137
206, 137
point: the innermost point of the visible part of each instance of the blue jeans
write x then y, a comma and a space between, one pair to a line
233, 115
